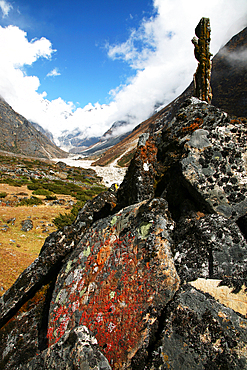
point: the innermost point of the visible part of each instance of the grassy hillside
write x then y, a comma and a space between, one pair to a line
46, 194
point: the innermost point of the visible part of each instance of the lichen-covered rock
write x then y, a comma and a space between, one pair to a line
210, 246
99, 207
22, 338
209, 150
56, 247
76, 350
117, 281
138, 184
200, 333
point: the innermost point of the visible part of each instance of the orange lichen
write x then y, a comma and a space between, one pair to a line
147, 152
194, 126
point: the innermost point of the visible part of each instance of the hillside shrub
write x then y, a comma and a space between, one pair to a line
51, 197
68, 218
3, 194
11, 182
34, 186
33, 201
41, 191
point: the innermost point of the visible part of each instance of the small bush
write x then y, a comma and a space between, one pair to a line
33, 201
68, 218
51, 197
64, 220
11, 182
34, 186
3, 194
41, 191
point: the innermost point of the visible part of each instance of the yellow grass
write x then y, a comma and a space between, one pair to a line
18, 249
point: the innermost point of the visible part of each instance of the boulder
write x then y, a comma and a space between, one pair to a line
210, 246
138, 183
206, 150
26, 225
200, 333
77, 350
117, 281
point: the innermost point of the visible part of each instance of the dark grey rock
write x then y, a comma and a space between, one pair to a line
76, 350
210, 246
200, 333
27, 225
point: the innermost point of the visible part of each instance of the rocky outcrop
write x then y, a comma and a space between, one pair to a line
229, 74
77, 350
114, 290
200, 333
140, 176
19, 136
121, 275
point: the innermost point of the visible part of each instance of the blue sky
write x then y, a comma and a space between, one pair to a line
81, 65
79, 31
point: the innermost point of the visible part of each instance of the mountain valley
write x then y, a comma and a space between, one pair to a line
147, 275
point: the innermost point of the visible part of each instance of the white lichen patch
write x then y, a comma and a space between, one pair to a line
146, 166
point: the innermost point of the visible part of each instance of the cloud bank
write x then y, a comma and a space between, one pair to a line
160, 53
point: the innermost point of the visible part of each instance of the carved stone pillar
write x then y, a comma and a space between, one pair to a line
202, 88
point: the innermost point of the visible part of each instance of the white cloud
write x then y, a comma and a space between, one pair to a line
159, 51
5, 7
53, 73
237, 58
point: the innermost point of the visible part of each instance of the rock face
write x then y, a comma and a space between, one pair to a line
114, 290
229, 74
19, 136
202, 89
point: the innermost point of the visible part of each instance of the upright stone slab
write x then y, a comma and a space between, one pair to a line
117, 282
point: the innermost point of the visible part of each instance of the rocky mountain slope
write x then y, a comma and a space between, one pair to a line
19, 136
136, 282
229, 86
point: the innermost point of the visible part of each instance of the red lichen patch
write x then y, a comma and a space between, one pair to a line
194, 126
147, 152
116, 292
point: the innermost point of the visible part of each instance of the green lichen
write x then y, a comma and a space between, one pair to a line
112, 295
68, 267
114, 220
87, 251
144, 230
82, 291
57, 298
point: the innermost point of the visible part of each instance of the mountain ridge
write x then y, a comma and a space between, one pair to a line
19, 136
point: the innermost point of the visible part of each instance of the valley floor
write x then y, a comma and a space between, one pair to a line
111, 174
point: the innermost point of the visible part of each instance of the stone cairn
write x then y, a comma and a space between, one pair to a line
202, 88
